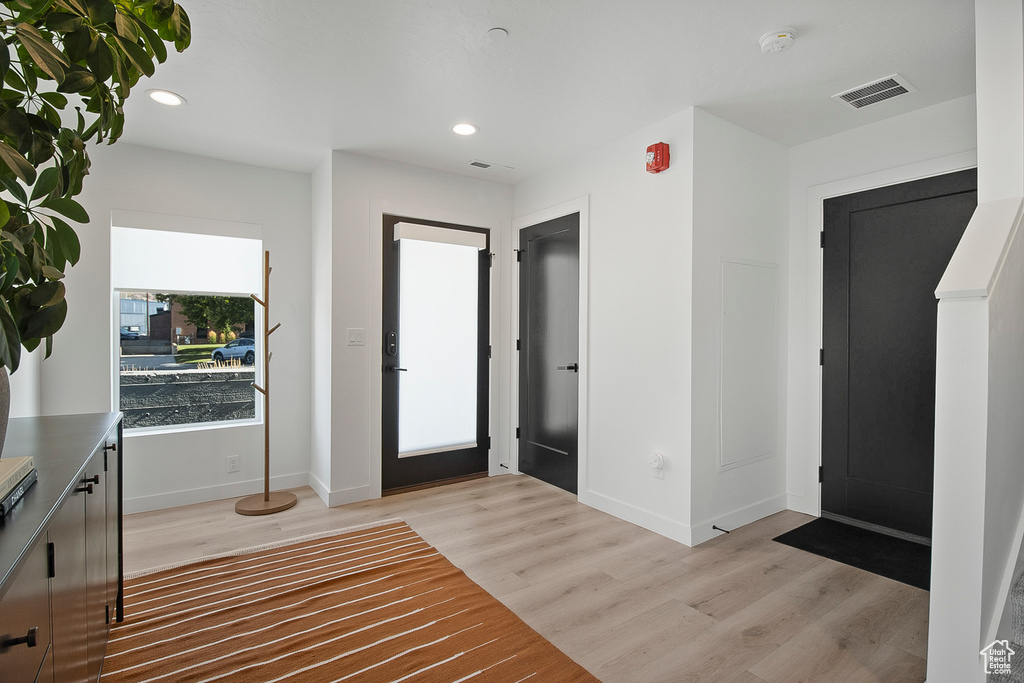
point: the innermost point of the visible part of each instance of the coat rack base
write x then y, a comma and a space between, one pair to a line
263, 505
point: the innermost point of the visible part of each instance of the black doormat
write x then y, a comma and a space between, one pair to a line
893, 558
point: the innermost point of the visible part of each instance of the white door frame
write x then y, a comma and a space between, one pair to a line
809, 501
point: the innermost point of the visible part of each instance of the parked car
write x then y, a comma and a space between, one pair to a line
128, 334
240, 348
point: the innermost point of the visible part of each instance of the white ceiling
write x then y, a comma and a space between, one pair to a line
279, 83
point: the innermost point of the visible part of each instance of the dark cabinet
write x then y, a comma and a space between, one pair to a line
25, 619
73, 573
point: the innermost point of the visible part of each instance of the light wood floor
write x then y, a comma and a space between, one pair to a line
627, 604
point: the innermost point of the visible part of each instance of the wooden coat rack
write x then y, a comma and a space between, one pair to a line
268, 502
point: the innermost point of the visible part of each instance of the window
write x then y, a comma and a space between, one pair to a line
185, 349
190, 360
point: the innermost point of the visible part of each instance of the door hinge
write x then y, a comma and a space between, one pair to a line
517, 344
821, 474
51, 561
490, 262
519, 255
107, 607
488, 443
822, 238
488, 350
821, 356
517, 432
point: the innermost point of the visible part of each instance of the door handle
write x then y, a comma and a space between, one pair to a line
575, 367
392, 368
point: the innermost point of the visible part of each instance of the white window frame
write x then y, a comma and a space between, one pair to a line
199, 226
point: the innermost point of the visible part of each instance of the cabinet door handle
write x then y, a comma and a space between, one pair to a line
27, 639
85, 489
111, 447
95, 479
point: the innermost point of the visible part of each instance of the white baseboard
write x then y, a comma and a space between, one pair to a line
161, 501
644, 518
731, 520
802, 504
336, 498
345, 496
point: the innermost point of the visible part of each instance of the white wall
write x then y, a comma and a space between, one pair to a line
930, 141
739, 213
362, 189
26, 397
173, 469
323, 325
639, 320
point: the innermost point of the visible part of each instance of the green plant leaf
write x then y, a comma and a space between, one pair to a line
15, 81
45, 183
46, 56
156, 45
10, 339
52, 273
14, 123
162, 10
11, 267
77, 80
182, 28
5, 213
101, 12
55, 99
17, 163
47, 294
67, 207
136, 54
126, 27
5, 60
14, 188
63, 22
78, 44
101, 61
76, 6
45, 321
68, 240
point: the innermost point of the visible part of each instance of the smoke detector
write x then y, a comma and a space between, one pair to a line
777, 41
875, 92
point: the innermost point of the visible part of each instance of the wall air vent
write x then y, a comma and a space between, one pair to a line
874, 92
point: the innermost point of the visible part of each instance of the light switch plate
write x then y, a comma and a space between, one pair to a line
356, 336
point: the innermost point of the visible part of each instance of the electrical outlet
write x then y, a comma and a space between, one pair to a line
234, 464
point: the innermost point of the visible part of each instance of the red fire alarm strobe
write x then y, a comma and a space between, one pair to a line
657, 157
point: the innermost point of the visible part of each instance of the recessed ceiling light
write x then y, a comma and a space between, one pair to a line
171, 99
464, 129
497, 34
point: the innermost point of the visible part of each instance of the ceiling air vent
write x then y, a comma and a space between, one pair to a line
479, 164
876, 91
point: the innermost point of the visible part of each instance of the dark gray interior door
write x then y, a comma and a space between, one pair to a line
884, 253
548, 350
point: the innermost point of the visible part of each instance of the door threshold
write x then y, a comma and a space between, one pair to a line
433, 484
895, 533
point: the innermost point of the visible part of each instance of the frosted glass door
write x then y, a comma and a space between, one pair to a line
437, 346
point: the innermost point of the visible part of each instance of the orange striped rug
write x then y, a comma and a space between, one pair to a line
372, 604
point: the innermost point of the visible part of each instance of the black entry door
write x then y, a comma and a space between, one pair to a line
418, 447
884, 253
548, 350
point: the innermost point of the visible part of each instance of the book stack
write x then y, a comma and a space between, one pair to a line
16, 476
